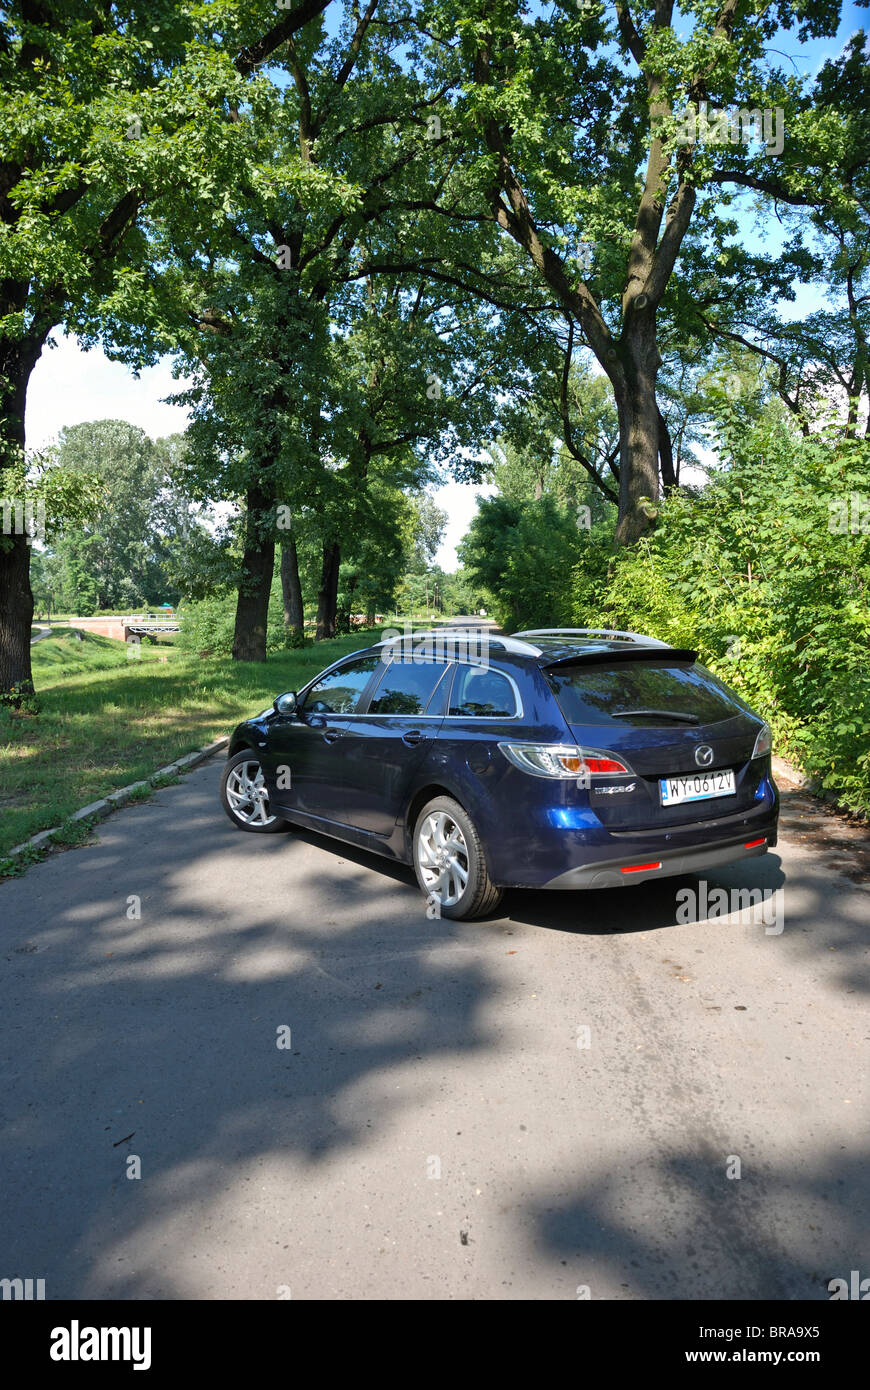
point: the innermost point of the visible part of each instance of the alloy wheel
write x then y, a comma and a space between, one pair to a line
442, 856
247, 794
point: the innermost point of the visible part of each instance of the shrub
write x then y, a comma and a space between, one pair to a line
760, 574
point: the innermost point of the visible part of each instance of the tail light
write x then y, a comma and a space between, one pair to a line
564, 760
762, 742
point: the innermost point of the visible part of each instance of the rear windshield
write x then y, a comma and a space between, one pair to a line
594, 694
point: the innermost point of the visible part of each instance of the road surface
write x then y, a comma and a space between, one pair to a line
581, 1097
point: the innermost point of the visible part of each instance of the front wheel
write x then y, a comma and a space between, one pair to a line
244, 796
449, 862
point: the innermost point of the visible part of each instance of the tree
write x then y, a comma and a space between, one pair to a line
522, 554
106, 113
819, 363
462, 595
592, 150
429, 522
318, 369
119, 556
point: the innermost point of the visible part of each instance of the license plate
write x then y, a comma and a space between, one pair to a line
697, 786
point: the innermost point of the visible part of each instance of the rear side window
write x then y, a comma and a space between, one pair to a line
479, 694
340, 691
594, 694
406, 686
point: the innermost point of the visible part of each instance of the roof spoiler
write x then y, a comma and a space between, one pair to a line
632, 653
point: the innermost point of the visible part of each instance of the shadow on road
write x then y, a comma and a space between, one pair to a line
146, 980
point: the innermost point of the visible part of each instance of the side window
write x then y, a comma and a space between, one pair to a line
339, 692
406, 687
482, 694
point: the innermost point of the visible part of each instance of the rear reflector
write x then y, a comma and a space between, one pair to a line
639, 868
751, 844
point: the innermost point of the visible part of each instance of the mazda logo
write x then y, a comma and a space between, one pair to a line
703, 755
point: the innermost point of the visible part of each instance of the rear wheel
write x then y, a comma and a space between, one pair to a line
449, 862
244, 796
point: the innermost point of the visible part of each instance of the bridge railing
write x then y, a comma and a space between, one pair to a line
165, 617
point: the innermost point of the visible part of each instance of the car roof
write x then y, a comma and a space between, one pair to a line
551, 647
544, 646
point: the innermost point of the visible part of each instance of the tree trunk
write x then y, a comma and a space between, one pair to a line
291, 588
327, 595
17, 361
666, 457
258, 563
16, 616
639, 432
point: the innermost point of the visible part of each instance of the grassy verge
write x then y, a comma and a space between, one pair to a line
106, 720
70, 651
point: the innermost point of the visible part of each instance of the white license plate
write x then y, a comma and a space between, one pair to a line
697, 786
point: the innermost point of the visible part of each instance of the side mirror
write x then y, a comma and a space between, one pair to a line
286, 704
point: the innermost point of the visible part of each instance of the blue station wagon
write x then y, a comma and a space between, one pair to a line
561, 758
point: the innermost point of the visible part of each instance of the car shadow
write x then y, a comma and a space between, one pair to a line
587, 912
650, 906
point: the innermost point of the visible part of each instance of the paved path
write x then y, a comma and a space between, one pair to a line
434, 1130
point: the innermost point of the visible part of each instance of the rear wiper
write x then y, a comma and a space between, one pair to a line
655, 714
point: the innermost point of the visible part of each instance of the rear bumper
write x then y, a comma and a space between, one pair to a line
616, 874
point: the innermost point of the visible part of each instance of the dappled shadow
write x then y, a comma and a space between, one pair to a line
155, 1035
164, 1028
694, 1233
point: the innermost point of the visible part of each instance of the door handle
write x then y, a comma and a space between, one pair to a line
412, 736
330, 735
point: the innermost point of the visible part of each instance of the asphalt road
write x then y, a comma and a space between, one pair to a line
434, 1130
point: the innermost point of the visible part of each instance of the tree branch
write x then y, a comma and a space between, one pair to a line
256, 53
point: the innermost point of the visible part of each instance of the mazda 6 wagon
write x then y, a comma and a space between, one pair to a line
561, 758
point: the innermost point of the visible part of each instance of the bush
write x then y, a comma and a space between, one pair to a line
766, 573
208, 625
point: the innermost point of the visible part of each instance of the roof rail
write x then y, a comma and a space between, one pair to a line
637, 637
465, 634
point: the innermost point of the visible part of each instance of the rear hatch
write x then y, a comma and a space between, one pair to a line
659, 711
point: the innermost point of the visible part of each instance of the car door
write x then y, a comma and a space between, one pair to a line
305, 748
386, 740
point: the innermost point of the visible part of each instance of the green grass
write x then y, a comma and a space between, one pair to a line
65, 655
106, 720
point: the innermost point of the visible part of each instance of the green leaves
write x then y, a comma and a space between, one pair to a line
767, 573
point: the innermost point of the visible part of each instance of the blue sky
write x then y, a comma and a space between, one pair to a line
70, 386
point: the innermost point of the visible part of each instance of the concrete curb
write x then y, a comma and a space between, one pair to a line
113, 800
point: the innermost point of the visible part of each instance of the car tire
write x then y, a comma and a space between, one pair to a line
244, 797
450, 863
